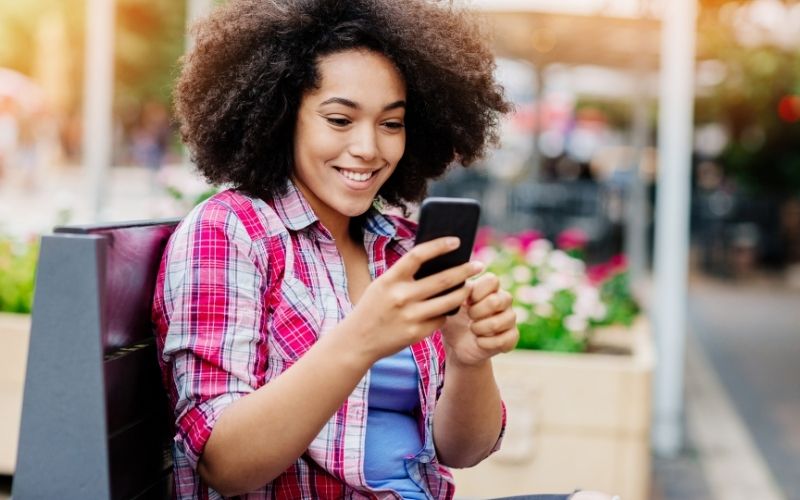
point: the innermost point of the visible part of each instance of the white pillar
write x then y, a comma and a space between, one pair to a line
98, 87
196, 9
672, 219
636, 206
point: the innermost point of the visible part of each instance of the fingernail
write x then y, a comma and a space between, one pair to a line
477, 266
453, 242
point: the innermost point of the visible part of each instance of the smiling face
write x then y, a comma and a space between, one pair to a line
349, 135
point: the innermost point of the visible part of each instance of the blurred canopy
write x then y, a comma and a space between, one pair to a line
149, 40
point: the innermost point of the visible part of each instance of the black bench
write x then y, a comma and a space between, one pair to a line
95, 421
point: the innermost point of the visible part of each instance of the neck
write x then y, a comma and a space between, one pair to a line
337, 224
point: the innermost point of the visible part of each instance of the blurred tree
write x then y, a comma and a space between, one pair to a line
19, 24
754, 101
149, 41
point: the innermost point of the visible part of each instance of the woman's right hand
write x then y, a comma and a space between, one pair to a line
396, 310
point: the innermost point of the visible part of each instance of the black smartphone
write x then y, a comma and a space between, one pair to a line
440, 217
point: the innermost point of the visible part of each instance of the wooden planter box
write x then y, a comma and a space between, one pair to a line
14, 332
574, 421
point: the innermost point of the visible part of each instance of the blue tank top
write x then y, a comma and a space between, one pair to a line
392, 432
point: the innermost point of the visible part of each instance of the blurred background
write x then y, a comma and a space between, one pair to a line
87, 134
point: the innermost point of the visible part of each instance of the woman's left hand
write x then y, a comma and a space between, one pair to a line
485, 325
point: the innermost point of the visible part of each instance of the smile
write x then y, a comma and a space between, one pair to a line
356, 176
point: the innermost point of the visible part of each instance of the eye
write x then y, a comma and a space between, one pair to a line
394, 125
338, 122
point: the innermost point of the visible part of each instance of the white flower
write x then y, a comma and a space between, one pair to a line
588, 303
559, 281
522, 274
542, 244
486, 255
575, 323
538, 252
599, 312
585, 291
560, 261
522, 314
577, 266
544, 310
506, 282
582, 308
587, 298
525, 294
534, 294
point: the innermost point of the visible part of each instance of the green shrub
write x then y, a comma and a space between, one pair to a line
17, 272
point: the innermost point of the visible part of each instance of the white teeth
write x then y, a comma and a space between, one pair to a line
354, 176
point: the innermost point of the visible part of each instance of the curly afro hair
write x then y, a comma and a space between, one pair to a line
240, 88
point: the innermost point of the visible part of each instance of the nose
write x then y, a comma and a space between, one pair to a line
364, 143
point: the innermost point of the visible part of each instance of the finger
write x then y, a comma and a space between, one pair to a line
502, 342
423, 329
501, 322
485, 285
410, 263
490, 305
439, 306
444, 280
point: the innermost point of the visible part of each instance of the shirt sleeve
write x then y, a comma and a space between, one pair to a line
214, 293
503, 421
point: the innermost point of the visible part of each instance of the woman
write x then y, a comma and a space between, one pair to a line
302, 358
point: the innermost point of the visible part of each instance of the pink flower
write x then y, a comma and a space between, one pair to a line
522, 241
601, 272
512, 243
598, 273
618, 263
572, 239
486, 254
526, 238
483, 238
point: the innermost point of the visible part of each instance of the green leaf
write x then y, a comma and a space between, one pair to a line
17, 274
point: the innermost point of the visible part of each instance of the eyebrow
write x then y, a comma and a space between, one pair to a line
355, 105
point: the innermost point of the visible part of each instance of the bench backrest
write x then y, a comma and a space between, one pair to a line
95, 422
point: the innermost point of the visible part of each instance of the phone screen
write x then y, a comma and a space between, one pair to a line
448, 217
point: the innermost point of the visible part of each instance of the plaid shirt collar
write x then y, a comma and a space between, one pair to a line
297, 215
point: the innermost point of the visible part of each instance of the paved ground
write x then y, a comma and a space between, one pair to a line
751, 332
679, 478
742, 394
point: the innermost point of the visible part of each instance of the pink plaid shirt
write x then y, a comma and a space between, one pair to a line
245, 288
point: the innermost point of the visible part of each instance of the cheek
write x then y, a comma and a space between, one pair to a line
316, 144
394, 148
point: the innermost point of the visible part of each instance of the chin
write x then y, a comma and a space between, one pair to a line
356, 210
353, 206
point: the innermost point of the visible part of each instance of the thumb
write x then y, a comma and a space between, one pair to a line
470, 284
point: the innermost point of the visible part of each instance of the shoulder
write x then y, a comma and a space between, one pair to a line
235, 214
228, 221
